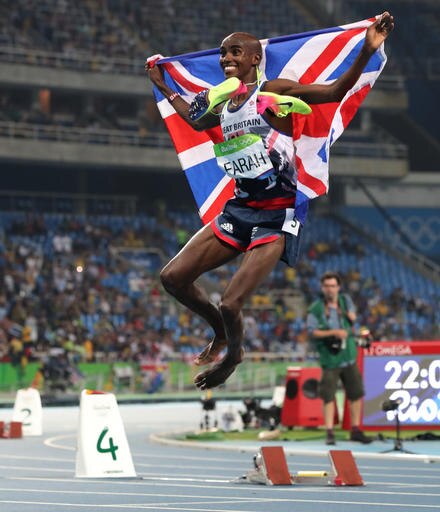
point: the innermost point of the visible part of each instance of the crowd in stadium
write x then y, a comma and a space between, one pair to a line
134, 30
77, 282
100, 34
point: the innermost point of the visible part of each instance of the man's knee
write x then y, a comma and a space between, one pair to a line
171, 279
230, 309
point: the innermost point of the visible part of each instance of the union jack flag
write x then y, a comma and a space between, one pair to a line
312, 57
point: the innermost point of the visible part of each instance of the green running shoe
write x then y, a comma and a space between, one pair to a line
206, 100
281, 105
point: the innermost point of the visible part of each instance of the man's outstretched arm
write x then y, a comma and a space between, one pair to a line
376, 34
155, 73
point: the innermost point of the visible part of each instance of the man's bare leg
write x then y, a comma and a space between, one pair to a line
355, 412
202, 253
256, 265
329, 415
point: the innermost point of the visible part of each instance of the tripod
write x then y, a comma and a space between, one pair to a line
398, 444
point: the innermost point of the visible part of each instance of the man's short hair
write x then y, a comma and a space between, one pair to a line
330, 274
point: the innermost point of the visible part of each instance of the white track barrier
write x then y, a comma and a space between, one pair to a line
102, 447
28, 410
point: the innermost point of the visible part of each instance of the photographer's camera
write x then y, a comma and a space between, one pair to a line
334, 344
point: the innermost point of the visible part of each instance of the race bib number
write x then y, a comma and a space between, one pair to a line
244, 157
291, 224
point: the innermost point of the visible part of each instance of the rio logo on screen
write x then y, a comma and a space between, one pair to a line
407, 377
412, 380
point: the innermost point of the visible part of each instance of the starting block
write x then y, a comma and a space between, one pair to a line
270, 468
345, 468
12, 430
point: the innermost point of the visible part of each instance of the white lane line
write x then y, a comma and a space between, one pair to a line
135, 506
313, 490
138, 494
52, 442
296, 501
290, 460
182, 468
400, 475
176, 483
37, 458
38, 469
155, 475
251, 500
254, 489
172, 506
200, 477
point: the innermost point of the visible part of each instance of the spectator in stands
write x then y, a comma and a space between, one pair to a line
255, 221
17, 357
330, 322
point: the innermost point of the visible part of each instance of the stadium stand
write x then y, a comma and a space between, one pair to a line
105, 33
132, 30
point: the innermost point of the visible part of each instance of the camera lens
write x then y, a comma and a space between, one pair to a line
391, 405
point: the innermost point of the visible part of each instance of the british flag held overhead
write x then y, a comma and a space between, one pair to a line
312, 57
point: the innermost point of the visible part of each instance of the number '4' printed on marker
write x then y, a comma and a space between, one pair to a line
111, 447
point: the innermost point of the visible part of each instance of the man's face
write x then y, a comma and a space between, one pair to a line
330, 288
237, 57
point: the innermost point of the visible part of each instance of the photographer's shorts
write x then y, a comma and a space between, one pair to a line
351, 379
244, 227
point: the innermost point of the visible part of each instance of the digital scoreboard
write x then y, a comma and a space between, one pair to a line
405, 371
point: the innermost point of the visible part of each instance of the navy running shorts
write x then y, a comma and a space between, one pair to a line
244, 227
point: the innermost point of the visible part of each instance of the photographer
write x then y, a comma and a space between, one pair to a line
330, 322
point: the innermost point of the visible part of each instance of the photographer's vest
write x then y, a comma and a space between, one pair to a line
346, 356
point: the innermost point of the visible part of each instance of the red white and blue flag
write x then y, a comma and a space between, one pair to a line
312, 57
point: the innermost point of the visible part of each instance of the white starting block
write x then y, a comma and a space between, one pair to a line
270, 468
102, 447
28, 411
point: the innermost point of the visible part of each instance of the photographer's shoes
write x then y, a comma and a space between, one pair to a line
355, 435
330, 439
360, 437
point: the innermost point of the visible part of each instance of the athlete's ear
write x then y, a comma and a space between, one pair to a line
256, 59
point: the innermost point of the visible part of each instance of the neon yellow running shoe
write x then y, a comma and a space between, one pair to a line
206, 100
281, 105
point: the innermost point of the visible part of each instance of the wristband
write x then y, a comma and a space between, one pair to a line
173, 96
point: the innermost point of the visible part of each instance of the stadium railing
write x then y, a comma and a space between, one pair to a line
83, 61
79, 61
128, 138
84, 135
55, 202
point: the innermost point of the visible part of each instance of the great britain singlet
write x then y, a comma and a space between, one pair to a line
276, 186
